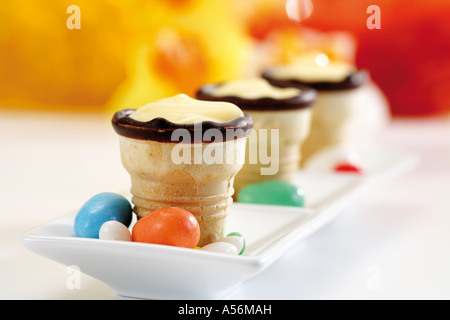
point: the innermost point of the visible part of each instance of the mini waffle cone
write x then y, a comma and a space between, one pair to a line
203, 189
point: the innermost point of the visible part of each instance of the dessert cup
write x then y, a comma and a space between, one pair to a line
281, 124
194, 174
337, 106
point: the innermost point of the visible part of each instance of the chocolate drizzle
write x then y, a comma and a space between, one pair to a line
305, 99
161, 130
352, 81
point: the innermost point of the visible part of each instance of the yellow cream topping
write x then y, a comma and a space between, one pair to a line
314, 69
182, 109
254, 88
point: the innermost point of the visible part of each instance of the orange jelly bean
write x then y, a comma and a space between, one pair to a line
168, 226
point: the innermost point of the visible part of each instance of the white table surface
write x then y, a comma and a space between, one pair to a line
393, 244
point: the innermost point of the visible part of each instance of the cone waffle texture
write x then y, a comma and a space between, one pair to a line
202, 183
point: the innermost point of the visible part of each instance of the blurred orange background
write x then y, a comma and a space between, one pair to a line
130, 52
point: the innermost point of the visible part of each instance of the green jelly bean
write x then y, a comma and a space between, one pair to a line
272, 193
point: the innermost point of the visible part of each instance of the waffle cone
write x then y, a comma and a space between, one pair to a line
331, 120
205, 189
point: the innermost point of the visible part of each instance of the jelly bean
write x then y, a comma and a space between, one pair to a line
221, 247
347, 167
168, 226
326, 160
237, 240
99, 209
114, 230
272, 193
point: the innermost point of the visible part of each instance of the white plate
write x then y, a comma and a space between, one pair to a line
162, 272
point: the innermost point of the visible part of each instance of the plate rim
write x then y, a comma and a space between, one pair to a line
259, 261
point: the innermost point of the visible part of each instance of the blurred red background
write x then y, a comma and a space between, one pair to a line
408, 57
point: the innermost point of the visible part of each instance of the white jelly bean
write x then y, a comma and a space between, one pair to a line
114, 230
238, 242
221, 247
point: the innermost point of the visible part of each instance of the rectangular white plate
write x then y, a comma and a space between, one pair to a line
162, 272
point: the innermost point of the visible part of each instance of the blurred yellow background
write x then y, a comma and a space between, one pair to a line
128, 53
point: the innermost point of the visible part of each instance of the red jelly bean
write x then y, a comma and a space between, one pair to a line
348, 167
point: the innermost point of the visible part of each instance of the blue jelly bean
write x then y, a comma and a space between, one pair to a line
99, 209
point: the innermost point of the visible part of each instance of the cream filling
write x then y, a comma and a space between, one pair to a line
318, 69
182, 109
254, 88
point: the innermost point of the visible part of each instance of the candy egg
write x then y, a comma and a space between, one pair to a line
114, 230
221, 247
99, 209
272, 193
236, 239
168, 226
